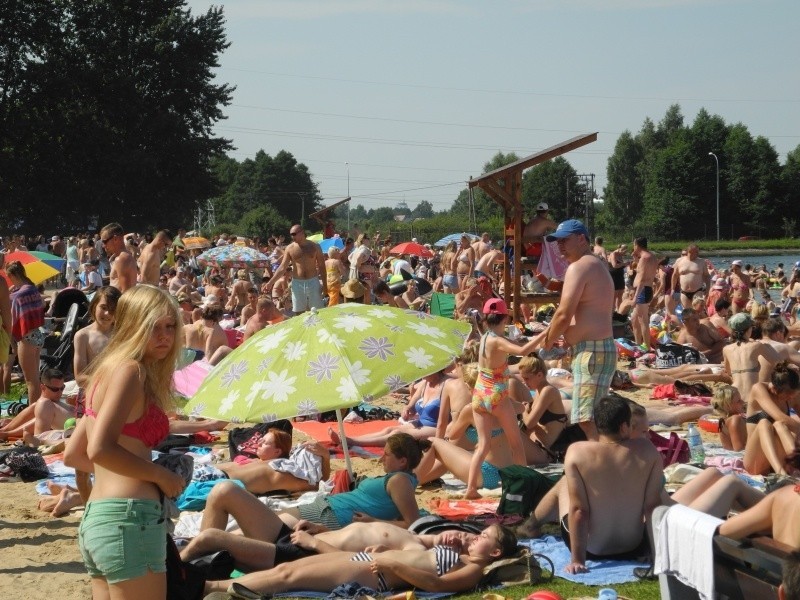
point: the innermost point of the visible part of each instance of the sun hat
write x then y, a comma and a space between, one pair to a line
542, 206
567, 228
353, 289
495, 306
740, 322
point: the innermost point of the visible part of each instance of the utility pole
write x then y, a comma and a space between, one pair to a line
588, 181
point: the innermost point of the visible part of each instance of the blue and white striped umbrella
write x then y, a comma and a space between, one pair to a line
455, 237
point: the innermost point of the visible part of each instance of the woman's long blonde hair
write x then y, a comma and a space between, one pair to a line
137, 312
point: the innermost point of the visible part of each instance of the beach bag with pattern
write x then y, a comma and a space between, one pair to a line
674, 355
27, 463
522, 489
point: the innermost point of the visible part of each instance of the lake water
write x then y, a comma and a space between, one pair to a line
771, 260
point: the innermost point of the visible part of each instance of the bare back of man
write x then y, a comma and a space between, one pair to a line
615, 481
487, 262
150, 259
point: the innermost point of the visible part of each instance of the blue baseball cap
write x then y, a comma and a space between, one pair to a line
566, 228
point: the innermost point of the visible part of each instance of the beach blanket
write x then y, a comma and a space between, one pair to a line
319, 432
188, 379
312, 594
461, 509
604, 572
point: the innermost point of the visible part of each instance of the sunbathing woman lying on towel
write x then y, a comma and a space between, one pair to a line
440, 569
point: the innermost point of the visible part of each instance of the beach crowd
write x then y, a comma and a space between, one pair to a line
535, 384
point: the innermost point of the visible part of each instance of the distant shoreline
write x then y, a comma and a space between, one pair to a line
738, 252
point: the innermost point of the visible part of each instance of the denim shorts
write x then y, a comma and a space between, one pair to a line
122, 539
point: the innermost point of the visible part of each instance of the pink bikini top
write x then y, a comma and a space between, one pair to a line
151, 428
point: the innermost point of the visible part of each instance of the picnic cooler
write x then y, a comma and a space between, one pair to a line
522, 488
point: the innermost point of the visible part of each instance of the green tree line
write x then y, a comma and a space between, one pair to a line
662, 182
106, 112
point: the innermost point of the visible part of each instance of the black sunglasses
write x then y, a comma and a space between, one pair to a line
109, 238
294, 233
54, 388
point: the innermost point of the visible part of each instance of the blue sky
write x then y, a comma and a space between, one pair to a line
416, 95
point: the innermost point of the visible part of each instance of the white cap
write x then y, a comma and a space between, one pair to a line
54, 238
542, 206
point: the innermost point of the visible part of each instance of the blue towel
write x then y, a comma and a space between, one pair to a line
195, 494
41, 487
600, 572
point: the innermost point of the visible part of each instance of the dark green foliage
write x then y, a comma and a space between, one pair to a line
106, 111
662, 182
279, 184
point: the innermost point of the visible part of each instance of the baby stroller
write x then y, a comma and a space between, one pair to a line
59, 346
64, 300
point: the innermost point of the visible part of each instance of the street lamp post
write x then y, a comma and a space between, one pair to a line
716, 160
347, 164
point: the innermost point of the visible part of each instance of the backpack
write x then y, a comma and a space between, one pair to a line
185, 581
673, 355
522, 489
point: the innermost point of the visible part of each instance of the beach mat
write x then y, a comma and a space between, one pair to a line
319, 432
461, 509
605, 572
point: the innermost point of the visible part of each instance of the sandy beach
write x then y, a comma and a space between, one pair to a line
40, 557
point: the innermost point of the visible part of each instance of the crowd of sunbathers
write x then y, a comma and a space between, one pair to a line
485, 412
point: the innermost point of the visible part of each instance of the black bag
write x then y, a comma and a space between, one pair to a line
244, 440
27, 463
522, 489
674, 355
184, 580
569, 435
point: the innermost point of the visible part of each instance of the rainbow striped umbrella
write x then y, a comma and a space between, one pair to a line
49, 259
36, 270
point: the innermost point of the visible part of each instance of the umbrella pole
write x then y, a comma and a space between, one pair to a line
344, 445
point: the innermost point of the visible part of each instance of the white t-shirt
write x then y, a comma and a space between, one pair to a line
94, 278
402, 265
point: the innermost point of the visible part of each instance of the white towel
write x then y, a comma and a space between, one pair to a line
302, 463
684, 548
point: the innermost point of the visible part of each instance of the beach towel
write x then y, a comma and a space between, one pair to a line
188, 379
461, 509
684, 548
551, 263
319, 431
605, 572
301, 463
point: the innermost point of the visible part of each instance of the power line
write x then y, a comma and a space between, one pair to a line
393, 142
515, 92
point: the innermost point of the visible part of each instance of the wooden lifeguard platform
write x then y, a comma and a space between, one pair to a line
504, 186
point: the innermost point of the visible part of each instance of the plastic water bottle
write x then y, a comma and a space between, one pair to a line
607, 594
696, 450
553, 354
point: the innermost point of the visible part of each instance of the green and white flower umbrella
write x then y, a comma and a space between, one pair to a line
323, 360
336, 357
